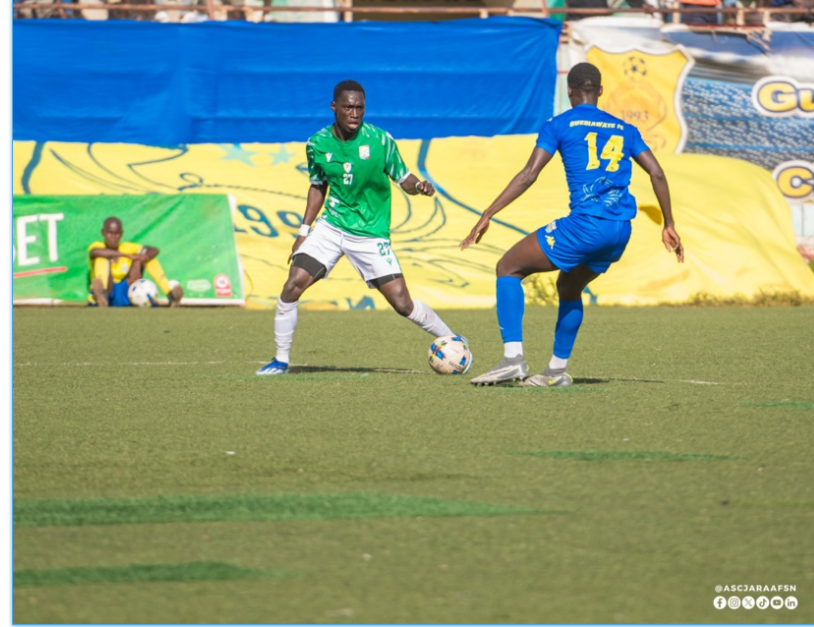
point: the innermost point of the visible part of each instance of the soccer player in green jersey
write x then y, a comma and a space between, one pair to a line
350, 164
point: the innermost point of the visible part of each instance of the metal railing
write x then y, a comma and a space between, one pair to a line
345, 7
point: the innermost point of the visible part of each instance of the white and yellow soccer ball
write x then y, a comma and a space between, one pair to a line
450, 355
143, 293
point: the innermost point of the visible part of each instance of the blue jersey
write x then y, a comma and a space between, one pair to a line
596, 149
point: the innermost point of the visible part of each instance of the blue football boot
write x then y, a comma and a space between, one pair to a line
275, 367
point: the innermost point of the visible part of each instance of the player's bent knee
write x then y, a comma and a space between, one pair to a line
404, 308
501, 268
305, 271
508, 266
396, 293
292, 290
504, 268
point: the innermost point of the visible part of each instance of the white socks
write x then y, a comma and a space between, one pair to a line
512, 349
515, 349
285, 322
428, 320
557, 363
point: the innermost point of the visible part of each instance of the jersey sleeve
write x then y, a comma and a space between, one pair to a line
315, 173
393, 163
547, 137
95, 246
637, 145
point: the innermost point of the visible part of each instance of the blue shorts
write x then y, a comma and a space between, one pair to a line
579, 239
119, 297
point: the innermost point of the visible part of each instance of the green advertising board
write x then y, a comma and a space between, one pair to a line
193, 233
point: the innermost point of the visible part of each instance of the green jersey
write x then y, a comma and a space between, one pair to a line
357, 172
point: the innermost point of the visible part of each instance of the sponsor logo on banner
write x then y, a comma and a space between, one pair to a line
347, 166
198, 285
364, 152
781, 97
644, 89
795, 179
223, 285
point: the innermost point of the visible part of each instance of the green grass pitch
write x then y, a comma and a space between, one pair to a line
158, 480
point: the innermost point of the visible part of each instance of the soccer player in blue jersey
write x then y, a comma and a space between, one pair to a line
596, 150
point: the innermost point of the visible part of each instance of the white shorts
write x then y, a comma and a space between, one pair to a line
371, 256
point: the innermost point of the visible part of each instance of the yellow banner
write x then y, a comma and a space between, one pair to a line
644, 89
735, 224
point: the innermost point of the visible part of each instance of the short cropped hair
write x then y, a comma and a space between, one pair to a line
110, 221
585, 77
347, 86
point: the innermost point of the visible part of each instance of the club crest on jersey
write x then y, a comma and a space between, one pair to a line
551, 227
364, 152
329, 156
347, 166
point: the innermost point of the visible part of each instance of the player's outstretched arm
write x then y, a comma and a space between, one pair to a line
516, 187
413, 186
672, 242
106, 253
313, 203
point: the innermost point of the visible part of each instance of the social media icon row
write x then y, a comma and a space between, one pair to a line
762, 603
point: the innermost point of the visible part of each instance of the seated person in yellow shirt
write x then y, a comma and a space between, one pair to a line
115, 265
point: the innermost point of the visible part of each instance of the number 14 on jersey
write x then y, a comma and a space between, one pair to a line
612, 151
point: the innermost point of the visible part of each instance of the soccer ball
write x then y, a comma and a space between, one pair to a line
450, 355
635, 68
143, 293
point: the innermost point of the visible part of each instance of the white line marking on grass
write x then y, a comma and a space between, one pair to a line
322, 369
134, 363
692, 381
702, 382
218, 363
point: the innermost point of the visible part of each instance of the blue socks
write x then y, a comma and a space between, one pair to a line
569, 318
511, 304
510, 308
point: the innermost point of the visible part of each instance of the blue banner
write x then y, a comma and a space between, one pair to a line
234, 82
